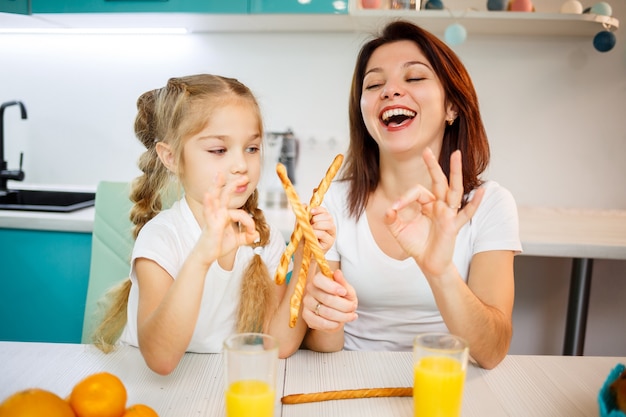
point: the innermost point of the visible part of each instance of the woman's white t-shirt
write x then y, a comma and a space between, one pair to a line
395, 300
168, 239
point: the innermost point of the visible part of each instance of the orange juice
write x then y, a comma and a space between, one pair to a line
250, 398
438, 387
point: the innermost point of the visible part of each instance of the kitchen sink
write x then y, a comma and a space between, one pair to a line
46, 200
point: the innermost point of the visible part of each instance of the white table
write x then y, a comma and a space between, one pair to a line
583, 235
525, 386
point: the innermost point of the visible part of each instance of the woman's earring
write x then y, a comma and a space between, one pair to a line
450, 121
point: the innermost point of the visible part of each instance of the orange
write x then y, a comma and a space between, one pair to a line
35, 402
140, 410
99, 395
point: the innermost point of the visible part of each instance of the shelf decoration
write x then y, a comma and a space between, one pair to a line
602, 8
371, 4
434, 5
455, 34
497, 18
605, 40
498, 5
521, 6
572, 6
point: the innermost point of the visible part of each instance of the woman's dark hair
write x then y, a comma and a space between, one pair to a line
467, 133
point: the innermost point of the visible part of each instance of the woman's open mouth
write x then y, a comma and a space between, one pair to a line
397, 117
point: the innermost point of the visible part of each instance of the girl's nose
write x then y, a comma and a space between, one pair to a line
238, 164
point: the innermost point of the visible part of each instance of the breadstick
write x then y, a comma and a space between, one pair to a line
316, 200
298, 292
320, 191
311, 245
302, 216
347, 394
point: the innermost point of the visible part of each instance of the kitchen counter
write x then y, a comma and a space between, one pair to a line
543, 231
82, 220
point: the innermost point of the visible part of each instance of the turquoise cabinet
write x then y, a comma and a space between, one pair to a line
299, 7
176, 6
44, 277
130, 6
15, 6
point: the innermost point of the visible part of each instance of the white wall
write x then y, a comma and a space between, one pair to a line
553, 107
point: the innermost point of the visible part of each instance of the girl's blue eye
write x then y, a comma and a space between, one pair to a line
253, 149
217, 151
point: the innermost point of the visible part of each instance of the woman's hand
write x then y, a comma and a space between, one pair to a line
324, 227
327, 303
426, 223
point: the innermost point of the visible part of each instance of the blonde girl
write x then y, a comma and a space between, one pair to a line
201, 269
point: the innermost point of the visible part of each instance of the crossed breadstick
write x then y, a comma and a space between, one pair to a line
347, 394
303, 229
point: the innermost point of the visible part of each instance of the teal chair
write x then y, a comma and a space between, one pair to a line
111, 247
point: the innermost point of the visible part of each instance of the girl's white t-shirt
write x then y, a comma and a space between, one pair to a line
395, 299
168, 239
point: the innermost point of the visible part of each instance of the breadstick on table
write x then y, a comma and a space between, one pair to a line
347, 394
302, 216
316, 200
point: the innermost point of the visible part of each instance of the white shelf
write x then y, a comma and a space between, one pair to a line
476, 22
493, 23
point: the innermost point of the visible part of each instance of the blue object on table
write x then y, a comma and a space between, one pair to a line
608, 408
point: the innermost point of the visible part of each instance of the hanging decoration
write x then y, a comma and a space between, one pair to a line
604, 41
455, 34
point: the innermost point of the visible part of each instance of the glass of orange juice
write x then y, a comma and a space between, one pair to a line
251, 365
440, 363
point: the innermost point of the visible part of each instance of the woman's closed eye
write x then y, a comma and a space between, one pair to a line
217, 151
372, 86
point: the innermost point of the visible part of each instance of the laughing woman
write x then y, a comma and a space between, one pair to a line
423, 242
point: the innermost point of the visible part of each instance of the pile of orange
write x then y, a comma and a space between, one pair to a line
98, 395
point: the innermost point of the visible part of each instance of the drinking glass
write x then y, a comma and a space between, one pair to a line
251, 361
440, 364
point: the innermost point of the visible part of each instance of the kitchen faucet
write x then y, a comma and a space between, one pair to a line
5, 174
